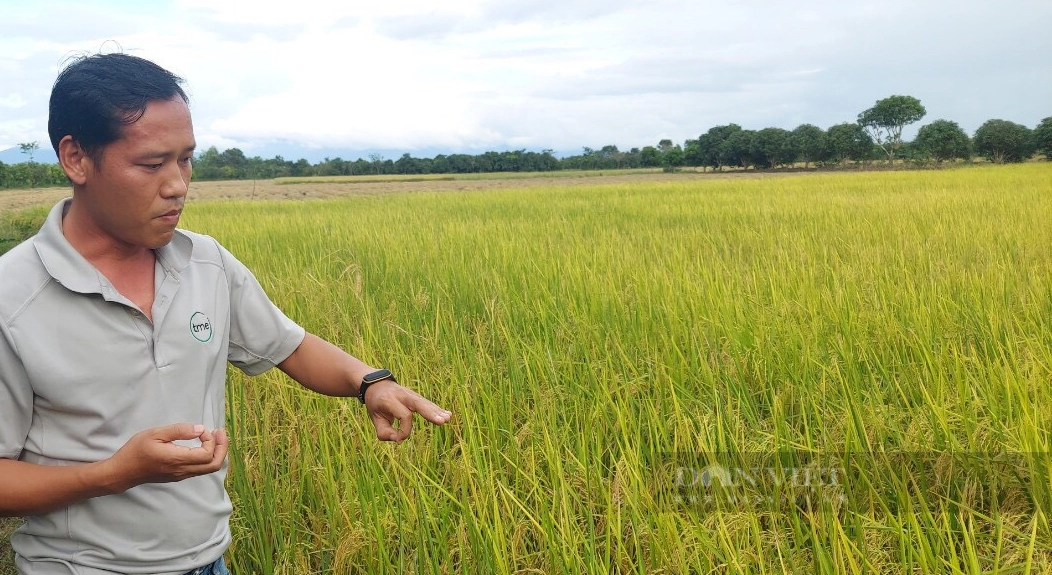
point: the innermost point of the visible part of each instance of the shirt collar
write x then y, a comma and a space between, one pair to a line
65, 264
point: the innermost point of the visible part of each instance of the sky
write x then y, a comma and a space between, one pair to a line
317, 78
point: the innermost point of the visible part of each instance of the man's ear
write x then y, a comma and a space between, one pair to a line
74, 160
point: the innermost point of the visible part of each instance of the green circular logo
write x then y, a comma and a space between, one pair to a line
201, 327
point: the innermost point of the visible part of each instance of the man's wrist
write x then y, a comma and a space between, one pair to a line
105, 476
372, 378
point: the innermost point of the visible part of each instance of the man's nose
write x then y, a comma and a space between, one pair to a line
177, 182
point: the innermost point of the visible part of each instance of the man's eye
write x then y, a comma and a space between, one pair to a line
152, 166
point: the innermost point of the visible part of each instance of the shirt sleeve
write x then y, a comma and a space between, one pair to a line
16, 399
261, 335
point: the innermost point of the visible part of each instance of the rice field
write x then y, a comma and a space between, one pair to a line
590, 339
582, 335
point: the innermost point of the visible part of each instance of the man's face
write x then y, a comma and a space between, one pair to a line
135, 195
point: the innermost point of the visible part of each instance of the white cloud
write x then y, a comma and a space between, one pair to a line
17, 131
475, 74
12, 101
313, 13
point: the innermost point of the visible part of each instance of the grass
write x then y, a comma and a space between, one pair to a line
7, 526
581, 335
19, 225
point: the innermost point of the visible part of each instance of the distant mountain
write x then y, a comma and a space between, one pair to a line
15, 156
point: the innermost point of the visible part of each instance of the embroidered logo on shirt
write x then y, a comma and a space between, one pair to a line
201, 327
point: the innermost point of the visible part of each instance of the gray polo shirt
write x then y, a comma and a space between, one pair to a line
81, 371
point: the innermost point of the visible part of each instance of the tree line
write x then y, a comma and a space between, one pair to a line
876, 135
31, 175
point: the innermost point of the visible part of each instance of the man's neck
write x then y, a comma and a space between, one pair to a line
130, 269
97, 246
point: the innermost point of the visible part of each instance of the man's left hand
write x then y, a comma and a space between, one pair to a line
389, 402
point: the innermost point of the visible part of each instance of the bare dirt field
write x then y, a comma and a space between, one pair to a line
269, 190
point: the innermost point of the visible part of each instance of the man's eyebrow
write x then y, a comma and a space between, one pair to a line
164, 153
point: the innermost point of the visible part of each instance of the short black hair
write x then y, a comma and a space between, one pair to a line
95, 96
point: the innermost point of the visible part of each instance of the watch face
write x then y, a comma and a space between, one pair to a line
378, 375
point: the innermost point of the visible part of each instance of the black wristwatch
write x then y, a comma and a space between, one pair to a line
372, 378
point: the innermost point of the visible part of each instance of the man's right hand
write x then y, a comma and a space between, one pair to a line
150, 456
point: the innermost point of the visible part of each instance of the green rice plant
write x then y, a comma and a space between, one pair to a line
582, 334
18, 226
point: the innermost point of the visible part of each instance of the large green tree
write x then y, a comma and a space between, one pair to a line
692, 154
737, 148
810, 143
886, 119
943, 140
711, 148
672, 158
1043, 137
848, 141
773, 147
650, 157
1002, 141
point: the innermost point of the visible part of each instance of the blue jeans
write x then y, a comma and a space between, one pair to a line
217, 568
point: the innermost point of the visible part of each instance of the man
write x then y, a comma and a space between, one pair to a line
115, 331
